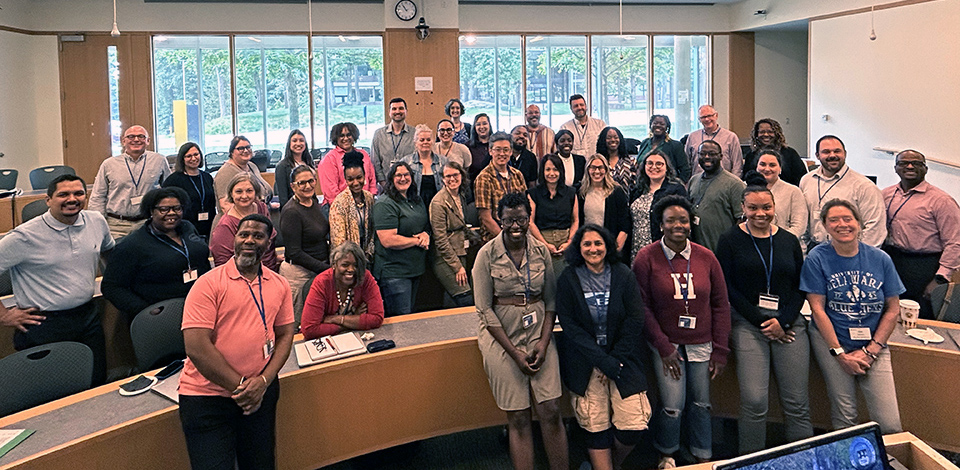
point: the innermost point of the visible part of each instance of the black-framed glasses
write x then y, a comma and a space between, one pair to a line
445, 129
243, 148
907, 163
135, 137
164, 210
507, 222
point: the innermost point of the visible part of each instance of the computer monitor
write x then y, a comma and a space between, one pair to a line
855, 448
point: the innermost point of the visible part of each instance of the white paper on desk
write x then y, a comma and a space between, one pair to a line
168, 387
336, 347
10, 438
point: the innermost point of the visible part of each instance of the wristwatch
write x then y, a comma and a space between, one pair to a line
836, 351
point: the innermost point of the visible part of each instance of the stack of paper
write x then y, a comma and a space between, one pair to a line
328, 348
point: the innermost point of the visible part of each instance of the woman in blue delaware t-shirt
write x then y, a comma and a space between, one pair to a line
853, 290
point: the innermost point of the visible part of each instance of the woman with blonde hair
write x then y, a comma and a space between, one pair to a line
604, 202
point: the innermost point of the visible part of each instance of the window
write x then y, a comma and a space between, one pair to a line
113, 75
490, 79
192, 90
556, 69
681, 79
347, 85
619, 74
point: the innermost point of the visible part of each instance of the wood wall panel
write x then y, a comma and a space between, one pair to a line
406, 57
742, 84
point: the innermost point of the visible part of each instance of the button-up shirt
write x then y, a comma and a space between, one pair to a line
845, 184
491, 187
732, 158
387, 147
924, 219
121, 179
585, 137
53, 265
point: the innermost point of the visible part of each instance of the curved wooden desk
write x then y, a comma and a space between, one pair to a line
432, 384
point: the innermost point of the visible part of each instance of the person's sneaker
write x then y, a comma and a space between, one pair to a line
666, 462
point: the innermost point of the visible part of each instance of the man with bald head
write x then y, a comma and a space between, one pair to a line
540, 139
732, 158
923, 230
123, 180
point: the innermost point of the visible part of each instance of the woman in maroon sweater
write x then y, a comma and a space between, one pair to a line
343, 298
688, 326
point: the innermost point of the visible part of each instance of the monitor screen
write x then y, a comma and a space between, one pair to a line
856, 448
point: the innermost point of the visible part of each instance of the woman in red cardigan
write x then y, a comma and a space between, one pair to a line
343, 298
688, 326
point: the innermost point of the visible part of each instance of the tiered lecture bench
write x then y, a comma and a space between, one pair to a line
432, 384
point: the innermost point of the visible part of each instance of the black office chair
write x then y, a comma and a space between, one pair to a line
33, 209
261, 158
632, 145
470, 214
214, 160
44, 373
8, 179
275, 157
41, 177
157, 339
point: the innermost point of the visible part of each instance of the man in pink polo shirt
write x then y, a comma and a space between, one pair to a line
238, 332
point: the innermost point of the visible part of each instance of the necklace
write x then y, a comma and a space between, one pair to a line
344, 303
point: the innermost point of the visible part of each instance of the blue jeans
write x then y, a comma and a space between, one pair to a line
877, 387
695, 380
399, 294
791, 366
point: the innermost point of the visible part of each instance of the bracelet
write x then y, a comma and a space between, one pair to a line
868, 353
242, 380
264, 380
882, 346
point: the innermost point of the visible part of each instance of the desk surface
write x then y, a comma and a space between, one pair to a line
432, 384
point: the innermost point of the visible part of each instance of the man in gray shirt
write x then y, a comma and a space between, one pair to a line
124, 179
53, 261
393, 141
716, 195
732, 158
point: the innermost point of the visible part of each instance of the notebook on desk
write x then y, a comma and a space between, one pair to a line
328, 348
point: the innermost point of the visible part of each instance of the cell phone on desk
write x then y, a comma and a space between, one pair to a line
171, 369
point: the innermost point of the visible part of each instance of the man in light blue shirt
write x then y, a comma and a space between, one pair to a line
53, 261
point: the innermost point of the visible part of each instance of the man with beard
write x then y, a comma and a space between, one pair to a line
585, 129
238, 331
523, 159
923, 224
392, 142
540, 140
52, 261
716, 194
732, 158
834, 179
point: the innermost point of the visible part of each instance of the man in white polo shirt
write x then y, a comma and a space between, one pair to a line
52, 261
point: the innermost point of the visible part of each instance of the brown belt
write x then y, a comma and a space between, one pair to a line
518, 299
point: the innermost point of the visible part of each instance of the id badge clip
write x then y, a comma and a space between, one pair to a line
268, 347
529, 319
687, 322
860, 333
189, 276
769, 302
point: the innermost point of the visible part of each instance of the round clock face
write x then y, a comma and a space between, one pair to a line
406, 10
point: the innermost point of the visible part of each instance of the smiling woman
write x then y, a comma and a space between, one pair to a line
244, 198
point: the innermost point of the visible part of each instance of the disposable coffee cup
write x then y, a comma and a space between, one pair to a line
909, 313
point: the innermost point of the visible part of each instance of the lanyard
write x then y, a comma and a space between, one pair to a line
504, 182
527, 286
396, 143
581, 130
821, 196
890, 218
136, 182
186, 249
361, 225
705, 187
704, 135
261, 305
767, 270
685, 286
201, 191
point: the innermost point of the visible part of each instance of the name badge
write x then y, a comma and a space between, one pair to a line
860, 334
203, 216
268, 348
696, 220
769, 302
136, 200
688, 322
189, 275
466, 244
530, 319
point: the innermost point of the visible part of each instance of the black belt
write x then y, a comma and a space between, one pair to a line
123, 217
84, 308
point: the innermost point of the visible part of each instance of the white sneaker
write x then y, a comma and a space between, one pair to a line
667, 462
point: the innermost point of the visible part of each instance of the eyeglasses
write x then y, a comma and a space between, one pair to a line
906, 163
445, 129
303, 183
451, 176
597, 168
708, 154
708, 116
346, 135
501, 150
164, 210
656, 164
192, 155
401, 175
507, 222
135, 137
243, 148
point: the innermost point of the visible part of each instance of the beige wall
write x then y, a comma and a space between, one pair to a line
780, 79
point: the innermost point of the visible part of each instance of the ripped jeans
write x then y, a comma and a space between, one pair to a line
695, 381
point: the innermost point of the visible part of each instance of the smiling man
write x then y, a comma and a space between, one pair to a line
122, 181
923, 224
732, 155
716, 194
540, 140
52, 261
393, 141
494, 181
586, 130
834, 179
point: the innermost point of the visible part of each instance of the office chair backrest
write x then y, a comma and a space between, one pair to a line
157, 339
33, 209
41, 177
43, 373
8, 179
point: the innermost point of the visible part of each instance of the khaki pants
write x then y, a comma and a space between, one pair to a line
121, 228
557, 238
296, 276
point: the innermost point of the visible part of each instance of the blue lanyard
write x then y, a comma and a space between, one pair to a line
768, 271
526, 287
685, 286
202, 190
186, 249
821, 196
136, 182
261, 305
396, 144
704, 188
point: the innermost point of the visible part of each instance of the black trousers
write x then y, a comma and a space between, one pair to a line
916, 270
80, 324
219, 435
